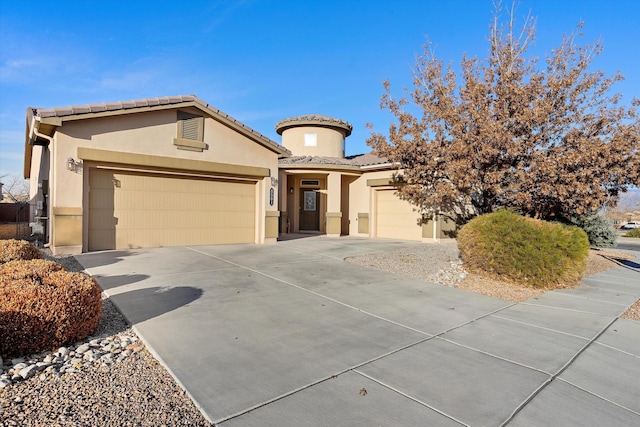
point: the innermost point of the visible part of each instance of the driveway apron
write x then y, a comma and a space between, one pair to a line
289, 334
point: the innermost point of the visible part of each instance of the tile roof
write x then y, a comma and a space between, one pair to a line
114, 106
368, 159
150, 102
313, 120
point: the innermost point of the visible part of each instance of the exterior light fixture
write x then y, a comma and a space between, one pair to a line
72, 165
290, 190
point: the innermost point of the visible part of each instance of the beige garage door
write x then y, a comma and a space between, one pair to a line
134, 210
396, 218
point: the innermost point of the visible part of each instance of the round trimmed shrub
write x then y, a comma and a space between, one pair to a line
15, 250
599, 229
45, 307
538, 253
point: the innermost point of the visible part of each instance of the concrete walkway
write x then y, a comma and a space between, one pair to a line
290, 335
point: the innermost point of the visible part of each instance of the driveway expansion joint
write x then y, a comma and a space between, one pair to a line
560, 371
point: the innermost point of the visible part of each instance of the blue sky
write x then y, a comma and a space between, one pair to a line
265, 60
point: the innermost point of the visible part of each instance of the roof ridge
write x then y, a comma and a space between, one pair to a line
150, 102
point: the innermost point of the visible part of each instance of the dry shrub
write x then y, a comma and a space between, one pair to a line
508, 246
19, 270
45, 307
15, 250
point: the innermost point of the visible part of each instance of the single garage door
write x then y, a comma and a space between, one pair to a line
138, 210
396, 218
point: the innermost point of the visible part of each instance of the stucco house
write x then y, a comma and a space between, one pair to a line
148, 173
324, 191
175, 171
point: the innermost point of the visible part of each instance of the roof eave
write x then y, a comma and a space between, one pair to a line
216, 114
319, 166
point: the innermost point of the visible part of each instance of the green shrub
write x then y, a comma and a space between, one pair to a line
44, 307
633, 233
599, 229
509, 246
15, 250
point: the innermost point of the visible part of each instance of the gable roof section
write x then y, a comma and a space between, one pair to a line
42, 122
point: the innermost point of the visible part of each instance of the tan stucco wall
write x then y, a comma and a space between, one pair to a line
271, 224
360, 201
150, 133
329, 142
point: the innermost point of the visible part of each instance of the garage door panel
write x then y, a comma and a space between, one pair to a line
396, 218
129, 210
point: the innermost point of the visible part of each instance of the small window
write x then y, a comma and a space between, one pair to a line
309, 183
190, 132
310, 139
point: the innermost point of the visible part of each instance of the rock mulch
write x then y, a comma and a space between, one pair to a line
444, 267
107, 379
97, 352
111, 379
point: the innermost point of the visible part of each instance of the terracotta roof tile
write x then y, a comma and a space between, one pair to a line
149, 102
357, 160
313, 120
367, 159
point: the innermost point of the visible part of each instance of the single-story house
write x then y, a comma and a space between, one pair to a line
148, 173
324, 191
176, 171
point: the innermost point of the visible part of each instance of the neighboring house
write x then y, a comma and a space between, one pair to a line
154, 172
325, 192
176, 171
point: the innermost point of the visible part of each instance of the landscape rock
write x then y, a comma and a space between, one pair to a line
28, 372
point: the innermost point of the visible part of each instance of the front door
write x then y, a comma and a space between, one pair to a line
309, 210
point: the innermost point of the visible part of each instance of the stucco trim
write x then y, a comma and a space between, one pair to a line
189, 144
118, 157
363, 222
66, 211
379, 182
271, 224
334, 223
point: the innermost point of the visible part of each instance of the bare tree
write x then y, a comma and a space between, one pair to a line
15, 188
547, 141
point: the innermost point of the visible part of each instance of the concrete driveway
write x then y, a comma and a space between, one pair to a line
290, 335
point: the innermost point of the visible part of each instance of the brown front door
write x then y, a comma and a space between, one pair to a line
309, 210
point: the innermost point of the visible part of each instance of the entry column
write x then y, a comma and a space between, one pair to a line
334, 197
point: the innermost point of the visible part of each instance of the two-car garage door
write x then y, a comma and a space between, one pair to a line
138, 210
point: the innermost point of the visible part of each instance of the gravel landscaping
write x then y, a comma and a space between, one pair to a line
111, 379
108, 379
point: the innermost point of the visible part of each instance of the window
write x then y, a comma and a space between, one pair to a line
309, 183
310, 139
190, 132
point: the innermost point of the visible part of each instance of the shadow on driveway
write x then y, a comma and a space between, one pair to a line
147, 303
99, 259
